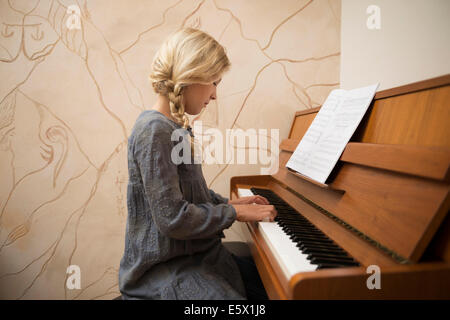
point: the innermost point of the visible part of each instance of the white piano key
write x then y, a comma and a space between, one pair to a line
244, 192
291, 259
289, 256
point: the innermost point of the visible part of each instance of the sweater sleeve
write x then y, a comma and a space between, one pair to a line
174, 216
217, 198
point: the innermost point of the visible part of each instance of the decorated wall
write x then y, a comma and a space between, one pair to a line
74, 78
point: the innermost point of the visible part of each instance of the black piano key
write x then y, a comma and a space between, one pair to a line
300, 228
303, 230
293, 220
307, 235
287, 209
284, 211
293, 225
304, 246
289, 217
264, 191
297, 226
328, 266
295, 236
335, 261
314, 243
335, 256
300, 237
325, 251
310, 240
308, 245
292, 216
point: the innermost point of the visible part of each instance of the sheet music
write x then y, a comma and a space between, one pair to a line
325, 140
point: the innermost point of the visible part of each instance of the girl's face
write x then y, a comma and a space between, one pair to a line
197, 96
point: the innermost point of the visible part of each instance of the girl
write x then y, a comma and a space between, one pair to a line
173, 247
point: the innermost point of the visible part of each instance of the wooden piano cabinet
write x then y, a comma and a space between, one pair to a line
424, 281
386, 202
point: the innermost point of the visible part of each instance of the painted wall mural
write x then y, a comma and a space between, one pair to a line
74, 77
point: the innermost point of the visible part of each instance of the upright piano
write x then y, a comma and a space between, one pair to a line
379, 227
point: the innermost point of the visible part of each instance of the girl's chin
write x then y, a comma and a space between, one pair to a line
193, 114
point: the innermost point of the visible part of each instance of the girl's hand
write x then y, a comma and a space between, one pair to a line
255, 212
249, 200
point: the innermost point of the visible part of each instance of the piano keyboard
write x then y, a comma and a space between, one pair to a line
297, 244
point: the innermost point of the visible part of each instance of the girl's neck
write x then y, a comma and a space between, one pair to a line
162, 105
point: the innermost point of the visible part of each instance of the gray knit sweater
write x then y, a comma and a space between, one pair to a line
173, 246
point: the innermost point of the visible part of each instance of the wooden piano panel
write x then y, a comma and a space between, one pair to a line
400, 211
399, 116
299, 128
393, 209
418, 118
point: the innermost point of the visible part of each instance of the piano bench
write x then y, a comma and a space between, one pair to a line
238, 248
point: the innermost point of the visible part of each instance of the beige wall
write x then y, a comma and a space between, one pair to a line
412, 43
69, 99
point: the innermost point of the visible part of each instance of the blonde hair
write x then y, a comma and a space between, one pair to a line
187, 56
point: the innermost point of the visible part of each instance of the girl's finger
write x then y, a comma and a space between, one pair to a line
263, 200
259, 201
